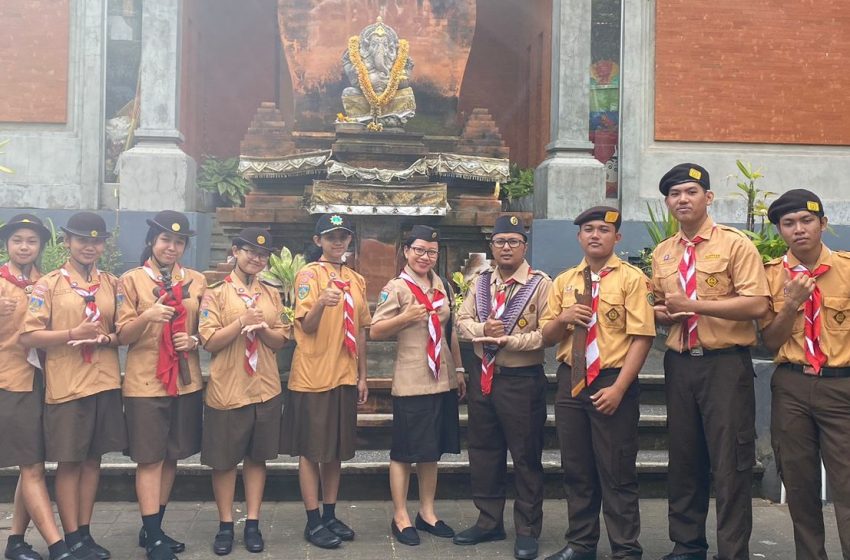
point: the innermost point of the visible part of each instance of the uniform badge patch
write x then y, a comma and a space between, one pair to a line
303, 290
840, 317
532, 308
612, 315
383, 297
35, 304
695, 173
650, 297
522, 323
712, 281
812, 206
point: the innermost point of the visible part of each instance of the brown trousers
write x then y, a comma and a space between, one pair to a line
810, 418
512, 417
711, 420
598, 454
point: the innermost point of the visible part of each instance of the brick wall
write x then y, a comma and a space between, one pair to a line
766, 71
34, 60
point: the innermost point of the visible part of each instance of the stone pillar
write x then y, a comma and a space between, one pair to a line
570, 179
156, 174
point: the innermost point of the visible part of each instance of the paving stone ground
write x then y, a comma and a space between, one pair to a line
116, 526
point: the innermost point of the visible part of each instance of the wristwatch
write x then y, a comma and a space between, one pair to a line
197, 341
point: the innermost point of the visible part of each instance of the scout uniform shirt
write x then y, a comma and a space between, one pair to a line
625, 309
16, 373
727, 265
834, 312
230, 386
54, 306
321, 361
412, 376
525, 342
135, 296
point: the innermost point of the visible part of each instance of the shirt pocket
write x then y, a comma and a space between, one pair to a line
668, 276
712, 277
611, 314
837, 312
799, 319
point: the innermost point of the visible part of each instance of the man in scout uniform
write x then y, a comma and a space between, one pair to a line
709, 286
597, 413
808, 326
507, 396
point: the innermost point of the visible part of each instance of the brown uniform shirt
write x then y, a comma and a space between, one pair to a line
412, 376
16, 373
321, 361
229, 385
54, 306
835, 309
525, 341
135, 296
625, 309
727, 265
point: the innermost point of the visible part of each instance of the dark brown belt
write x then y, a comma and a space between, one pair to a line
523, 371
700, 352
824, 371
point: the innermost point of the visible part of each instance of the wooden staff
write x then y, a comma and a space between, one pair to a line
579, 369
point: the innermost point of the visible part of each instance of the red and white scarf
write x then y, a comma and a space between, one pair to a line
19, 281
488, 362
349, 332
688, 281
252, 343
592, 356
92, 313
435, 328
168, 361
811, 311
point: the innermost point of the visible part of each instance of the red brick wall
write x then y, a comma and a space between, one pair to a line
34, 61
766, 71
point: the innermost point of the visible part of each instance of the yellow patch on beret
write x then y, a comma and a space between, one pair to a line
514, 221
812, 206
695, 174
611, 217
261, 239
175, 227
94, 233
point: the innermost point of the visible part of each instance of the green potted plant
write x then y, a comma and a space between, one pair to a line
518, 192
282, 272
221, 177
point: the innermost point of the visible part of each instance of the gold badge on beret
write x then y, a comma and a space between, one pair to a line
261, 239
695, 174
25, 221
812, 206
522, 323
514, 221
94, 233
336, 220
712, 281
611, 217
433, 235
175, 227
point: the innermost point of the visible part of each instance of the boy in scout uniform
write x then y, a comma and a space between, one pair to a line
241, 327
808, 326
597, 413
709, 286
507, 397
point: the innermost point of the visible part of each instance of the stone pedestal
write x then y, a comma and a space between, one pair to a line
383, 150
157, 176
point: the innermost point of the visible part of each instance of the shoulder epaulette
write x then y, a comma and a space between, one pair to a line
567, 270
843, 254
633, 267
215, 284
269, 283
724, 227
774, 262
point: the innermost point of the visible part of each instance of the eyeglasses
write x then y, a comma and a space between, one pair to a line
422, 251
261, 255
512, 243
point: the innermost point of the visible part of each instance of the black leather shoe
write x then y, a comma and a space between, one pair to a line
159, 550
176, 546
81, 552
672, 556
438, 529
22, 551
98, 550
407, 536
223, 542
567, 553
476, 534
525, 547
253, 539
321, 536
340, 529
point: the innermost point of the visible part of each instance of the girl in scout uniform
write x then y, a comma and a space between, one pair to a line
71, 316
241, 326
328, 377
21, 392
415, 308
158, 318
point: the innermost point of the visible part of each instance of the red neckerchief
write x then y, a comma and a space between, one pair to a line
811, 311
252, 342
688, 281
488, 361
592, 356
92, 313
349, 335
168, 360
20, 282
435, 329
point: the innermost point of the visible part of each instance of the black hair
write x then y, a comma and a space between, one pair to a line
150, 239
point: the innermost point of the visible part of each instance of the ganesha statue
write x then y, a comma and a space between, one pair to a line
378, 66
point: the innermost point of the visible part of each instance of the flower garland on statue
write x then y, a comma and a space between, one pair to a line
378, 101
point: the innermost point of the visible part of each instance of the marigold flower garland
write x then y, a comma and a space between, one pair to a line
376, 101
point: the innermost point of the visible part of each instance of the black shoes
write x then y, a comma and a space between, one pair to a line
525, 547
253, 539
159, 550
340, 529
81, 552
407, 536
321, 536
476, 535
438, 529
223, 542
176, 546
98, 550
672, 556
21, 551
567, 553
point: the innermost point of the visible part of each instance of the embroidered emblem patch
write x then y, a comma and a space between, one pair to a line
840, 317
612, 315
382, 297
532, 308
522, 323
812, 206
650, 297
611, 217
695, 174
712, 281
336, 220
303, 290
35, 304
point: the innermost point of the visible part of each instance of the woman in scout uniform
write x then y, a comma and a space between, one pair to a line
158, 318
415, 308
21, 392
72, 317
241, 326
328, 377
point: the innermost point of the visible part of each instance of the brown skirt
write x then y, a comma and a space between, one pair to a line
251, 431
164, 428
22, 435
321, 427
425, 427
85, 428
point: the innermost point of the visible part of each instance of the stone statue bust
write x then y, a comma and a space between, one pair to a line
378, 67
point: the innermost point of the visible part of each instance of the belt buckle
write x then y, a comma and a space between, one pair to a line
809, 370
696, 351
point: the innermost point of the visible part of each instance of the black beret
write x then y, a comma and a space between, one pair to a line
86, 224
330, 222
172, 222
28, 221
509, 224
607, 214
794, 200
426, 233
684, 173
258, 238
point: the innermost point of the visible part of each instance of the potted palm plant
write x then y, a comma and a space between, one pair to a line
282, 271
